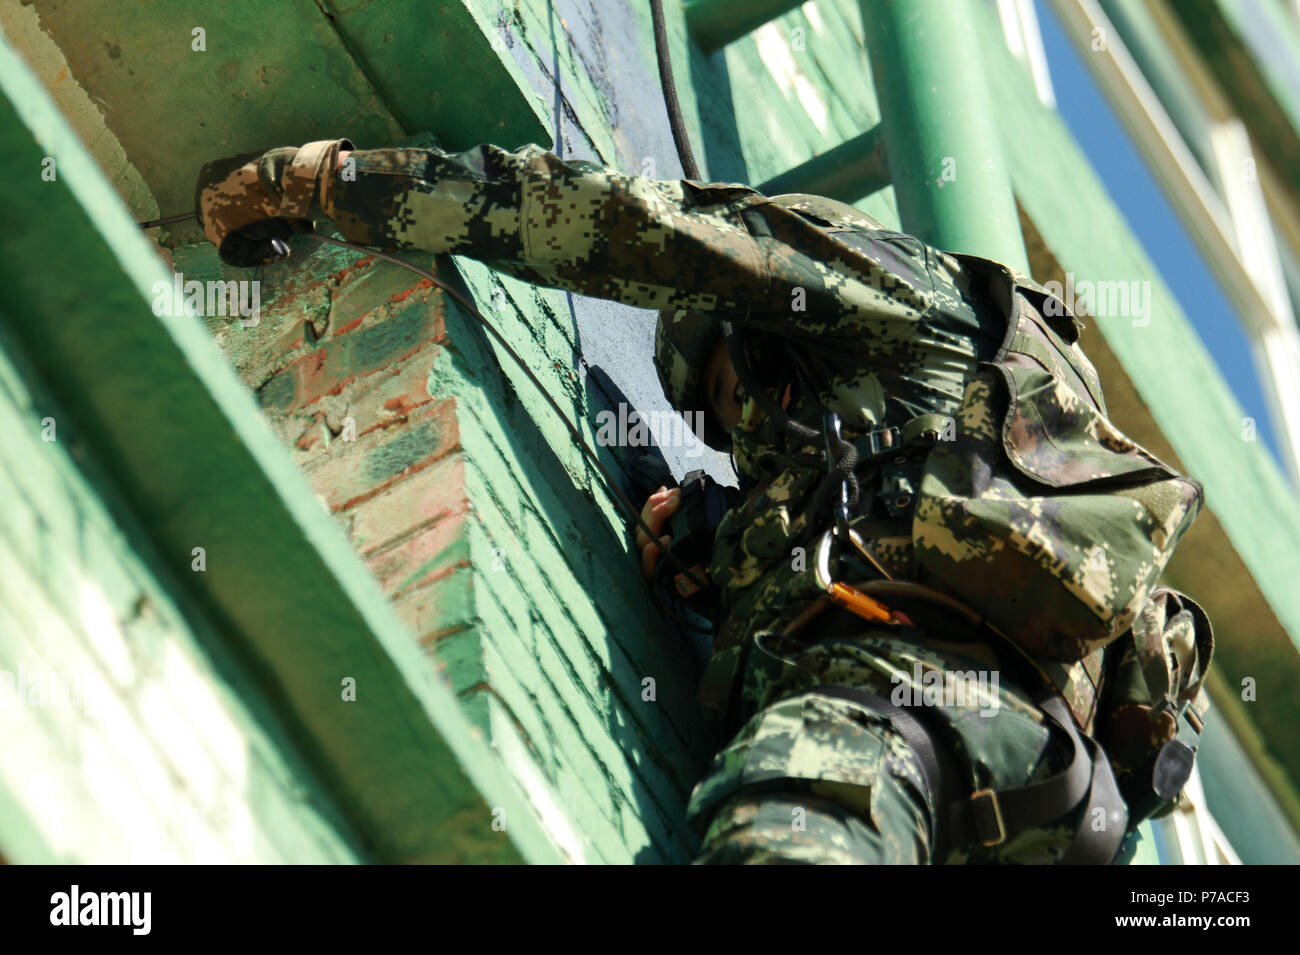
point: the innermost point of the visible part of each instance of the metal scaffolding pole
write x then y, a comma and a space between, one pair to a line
848, 172
945, 153
715, 23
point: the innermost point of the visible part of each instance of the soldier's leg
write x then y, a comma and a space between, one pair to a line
998, 737
755, 804
802, 829
815, 780
793, 829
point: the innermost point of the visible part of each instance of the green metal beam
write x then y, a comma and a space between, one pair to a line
272, 74
945, 147
1164, 390
851, 171
715, 23
405, 50
1251, 49
1141, 35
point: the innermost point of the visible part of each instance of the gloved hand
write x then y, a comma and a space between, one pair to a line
249, 205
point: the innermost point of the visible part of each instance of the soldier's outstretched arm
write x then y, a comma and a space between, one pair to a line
566, 224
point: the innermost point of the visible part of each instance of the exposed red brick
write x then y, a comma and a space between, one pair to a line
309, 439
389, 396
383, 341
402, 296
435, 495
353, 271
377, 290
360, 470
439, 608
400, 571
293, 338
343, 329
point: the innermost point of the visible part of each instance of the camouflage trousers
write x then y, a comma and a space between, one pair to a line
813, 778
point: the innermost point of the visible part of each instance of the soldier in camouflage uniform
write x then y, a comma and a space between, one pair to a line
840, 314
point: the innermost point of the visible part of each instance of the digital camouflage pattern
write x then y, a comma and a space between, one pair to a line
1063, 562
683, 341
841, 315
831, 765
870, 323
245, 201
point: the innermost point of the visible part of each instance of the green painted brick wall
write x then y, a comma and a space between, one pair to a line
464, 492
468, 501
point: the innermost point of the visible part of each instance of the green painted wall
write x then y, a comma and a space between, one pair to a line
525, 594
169, 440
123, 739
755, 113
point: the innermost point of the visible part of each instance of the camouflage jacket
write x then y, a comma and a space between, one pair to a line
869, 323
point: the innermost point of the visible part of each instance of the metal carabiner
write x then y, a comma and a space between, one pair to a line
851, 600
840, 507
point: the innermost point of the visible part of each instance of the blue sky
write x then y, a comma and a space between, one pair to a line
1150, 216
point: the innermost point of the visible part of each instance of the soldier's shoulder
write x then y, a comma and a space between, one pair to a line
831, 212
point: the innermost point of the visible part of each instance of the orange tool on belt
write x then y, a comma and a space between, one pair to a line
854, 601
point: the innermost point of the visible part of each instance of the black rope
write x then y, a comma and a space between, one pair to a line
167, 220
840, 473
681, 138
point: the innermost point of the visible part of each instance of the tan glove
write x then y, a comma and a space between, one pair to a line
249, 205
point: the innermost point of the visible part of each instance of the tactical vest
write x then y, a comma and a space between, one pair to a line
1031, 507
1053, 526
1041, 514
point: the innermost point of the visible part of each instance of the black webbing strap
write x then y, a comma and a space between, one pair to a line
1092, 846
990, 818
937, 763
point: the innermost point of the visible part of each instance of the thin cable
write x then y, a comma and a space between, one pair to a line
606, 479
680, 137
167, 220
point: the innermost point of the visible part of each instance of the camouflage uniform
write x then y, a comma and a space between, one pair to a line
846, 316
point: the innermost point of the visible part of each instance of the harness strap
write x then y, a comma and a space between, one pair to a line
991, 818
874, 444
938, 768
301, 176
839, 491
1093, 846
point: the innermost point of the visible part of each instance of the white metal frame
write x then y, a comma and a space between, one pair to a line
1025, 39
1230, 220
1189, 835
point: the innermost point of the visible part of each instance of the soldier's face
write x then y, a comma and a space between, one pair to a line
722, 386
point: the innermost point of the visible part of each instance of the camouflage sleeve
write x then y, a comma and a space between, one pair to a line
566, 224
